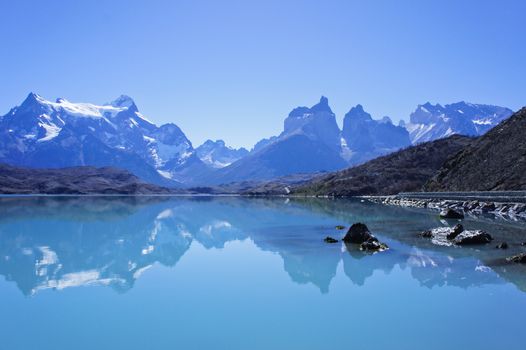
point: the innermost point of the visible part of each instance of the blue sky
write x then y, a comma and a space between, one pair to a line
234, 69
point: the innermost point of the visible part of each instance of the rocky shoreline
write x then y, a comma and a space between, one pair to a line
506, 210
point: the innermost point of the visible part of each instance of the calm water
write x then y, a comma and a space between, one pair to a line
236, 273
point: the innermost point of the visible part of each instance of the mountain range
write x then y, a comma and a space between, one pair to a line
430, 122
218, 155
494, 162
44, 134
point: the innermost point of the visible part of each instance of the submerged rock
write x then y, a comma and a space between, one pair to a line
502, 245
449, 213
358, 233
329, 239
373, 245
519, 258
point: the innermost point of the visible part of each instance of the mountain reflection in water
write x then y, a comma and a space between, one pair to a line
61, 242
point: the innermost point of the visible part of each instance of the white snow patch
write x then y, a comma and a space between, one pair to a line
139, 115
148, 139
52, 131
482, 122
165, 174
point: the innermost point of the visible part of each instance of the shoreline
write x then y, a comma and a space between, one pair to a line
506, 208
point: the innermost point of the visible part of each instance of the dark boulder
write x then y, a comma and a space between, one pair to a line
519, 258
448, 236
427, 234
472, 237
372, 245
358, 233
451, 214
502, 245
329, 239
488, 207
455, 231
519, 208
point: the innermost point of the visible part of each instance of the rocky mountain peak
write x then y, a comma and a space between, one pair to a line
357, 113
322, 106
124, 101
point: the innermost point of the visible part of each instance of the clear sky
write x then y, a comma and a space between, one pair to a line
234, 69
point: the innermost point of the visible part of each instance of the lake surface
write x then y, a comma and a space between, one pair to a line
241, 273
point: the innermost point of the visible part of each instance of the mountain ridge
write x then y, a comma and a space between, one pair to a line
74, 181
41, 133
495, 161
406, 170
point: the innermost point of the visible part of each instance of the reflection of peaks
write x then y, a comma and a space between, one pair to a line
59, 243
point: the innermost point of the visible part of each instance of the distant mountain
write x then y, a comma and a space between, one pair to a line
217, 155
44, 134
405, 170
312, 142
495, 161
41, 133
430, 122
263, 143
77, 180
364, 138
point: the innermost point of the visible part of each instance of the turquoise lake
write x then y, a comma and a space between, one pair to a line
248, 273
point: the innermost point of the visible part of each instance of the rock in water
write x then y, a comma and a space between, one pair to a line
502, 245
456, 235
451, 214
473, 237
427, 234
458, 229
373, 245
358, 233
519, 258
329, 239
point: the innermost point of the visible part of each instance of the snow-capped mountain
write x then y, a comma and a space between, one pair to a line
41, 133
430, 122
217, 155
364, 138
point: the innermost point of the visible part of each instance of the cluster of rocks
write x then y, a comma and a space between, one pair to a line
475, 207
401, 202
457, 236
359, 234
519, 258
